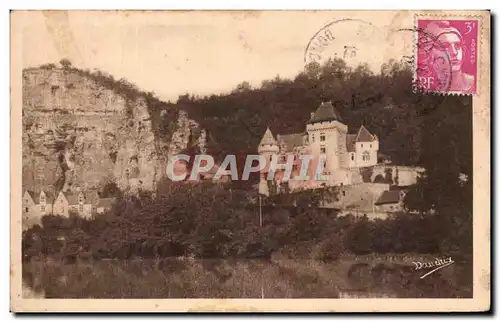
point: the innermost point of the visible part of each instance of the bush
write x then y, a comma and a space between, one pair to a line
359, 238
404, 233
208, 221
332, 248
366, 174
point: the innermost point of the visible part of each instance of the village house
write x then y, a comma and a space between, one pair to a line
85, 204
390, 201
79, 202
36, 205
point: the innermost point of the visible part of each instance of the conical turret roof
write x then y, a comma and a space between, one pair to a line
268, 138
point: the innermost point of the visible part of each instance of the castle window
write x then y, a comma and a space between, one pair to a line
27, 209
370, 146
361, 144
322, 137
352, 156
322, 149
312, 137
343, 193
366, 156
42, 208
80, 208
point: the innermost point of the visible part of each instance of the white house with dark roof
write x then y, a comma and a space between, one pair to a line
362, 148
79, 202
36, 204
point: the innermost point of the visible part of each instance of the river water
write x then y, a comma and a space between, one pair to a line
189, 278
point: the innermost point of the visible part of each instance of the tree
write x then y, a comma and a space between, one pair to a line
446, 154
313, 70
65, 63
48, 66
388, 176
110, 190
366, 173
360, 237
396, 177
243, 87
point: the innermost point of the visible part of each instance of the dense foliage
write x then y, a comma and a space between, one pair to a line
381, 101
446, 187
207, 220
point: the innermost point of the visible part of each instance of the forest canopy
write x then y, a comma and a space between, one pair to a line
383, 102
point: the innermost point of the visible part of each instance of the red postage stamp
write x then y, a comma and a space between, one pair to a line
447, 56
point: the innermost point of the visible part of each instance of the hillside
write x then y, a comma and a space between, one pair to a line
85, 129
383, 102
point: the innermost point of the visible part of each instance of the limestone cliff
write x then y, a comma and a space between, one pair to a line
82, 129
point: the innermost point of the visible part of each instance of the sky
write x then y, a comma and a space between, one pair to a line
203, 53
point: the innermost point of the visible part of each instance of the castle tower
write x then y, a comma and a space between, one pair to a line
327, 135
366, 148
268, 147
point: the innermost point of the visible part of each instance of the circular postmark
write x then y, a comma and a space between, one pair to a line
432, 66
347, 39
360, 42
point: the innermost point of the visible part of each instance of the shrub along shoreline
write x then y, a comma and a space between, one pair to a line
210, 221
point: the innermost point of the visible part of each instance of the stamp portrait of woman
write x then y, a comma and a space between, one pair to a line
450, 43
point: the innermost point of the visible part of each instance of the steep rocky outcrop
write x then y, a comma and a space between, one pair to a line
187, 133
82, 129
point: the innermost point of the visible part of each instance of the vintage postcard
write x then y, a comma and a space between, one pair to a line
259, 161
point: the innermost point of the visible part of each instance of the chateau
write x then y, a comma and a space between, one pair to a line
346, 155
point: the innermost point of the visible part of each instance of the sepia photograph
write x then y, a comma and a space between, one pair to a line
330, 156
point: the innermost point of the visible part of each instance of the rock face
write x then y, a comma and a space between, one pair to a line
188, 133
80, 134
